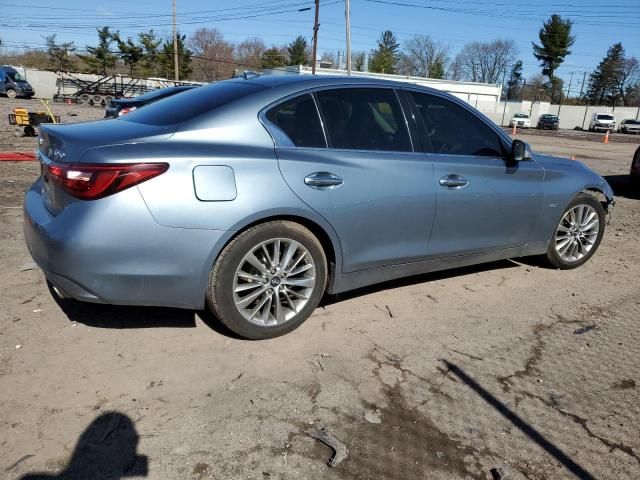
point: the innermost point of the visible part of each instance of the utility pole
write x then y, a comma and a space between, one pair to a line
316, 26
584, 76
569, 87
347, 14
175, 43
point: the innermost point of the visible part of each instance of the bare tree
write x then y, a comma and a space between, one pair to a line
628, 77
424, 57
215, 60
248, 54
454, 72
487, 62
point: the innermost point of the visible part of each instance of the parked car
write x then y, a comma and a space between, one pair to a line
635, 167
520, 120
629, 126
549, 121
122, 106
602, 122
13, 84
256, 197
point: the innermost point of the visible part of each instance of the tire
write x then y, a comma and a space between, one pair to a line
270, 313
11, 93
586, 240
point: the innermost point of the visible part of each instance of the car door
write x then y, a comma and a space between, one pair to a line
484, 202
357, 168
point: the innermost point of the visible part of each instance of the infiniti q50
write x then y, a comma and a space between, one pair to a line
257, 197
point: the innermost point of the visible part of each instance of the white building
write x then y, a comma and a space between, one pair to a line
483, 96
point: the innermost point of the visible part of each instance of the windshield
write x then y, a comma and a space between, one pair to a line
192, 103
16, 76
605, 117
632, 122
549, 117
521, 115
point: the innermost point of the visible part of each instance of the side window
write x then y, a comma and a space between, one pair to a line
364, 119
298, 119
453, 130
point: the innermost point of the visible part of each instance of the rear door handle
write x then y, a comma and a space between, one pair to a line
323, 180
454, 181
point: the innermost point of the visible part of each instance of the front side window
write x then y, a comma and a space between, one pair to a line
453, 130
364, 119
298, 119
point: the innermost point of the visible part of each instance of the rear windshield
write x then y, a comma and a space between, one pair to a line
192, 103
605, 117
163, 92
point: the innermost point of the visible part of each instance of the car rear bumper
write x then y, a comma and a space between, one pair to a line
113, 251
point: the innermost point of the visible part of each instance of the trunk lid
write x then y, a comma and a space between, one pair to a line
69, 143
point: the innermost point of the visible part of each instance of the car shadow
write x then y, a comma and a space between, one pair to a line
623, 186
107, 450
424, 278
518, 422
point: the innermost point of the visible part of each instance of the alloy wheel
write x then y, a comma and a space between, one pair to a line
577, 233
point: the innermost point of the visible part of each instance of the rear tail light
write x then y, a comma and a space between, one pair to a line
126, 110
94, 181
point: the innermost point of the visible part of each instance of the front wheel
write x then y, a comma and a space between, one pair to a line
268, 280
578, 234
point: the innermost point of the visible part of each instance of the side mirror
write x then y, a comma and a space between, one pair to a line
519, 151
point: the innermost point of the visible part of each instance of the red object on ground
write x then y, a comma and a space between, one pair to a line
16, 156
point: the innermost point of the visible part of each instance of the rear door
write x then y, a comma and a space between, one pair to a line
483, 202
357, 167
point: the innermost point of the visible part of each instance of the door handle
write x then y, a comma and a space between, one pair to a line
454, 181
323, 180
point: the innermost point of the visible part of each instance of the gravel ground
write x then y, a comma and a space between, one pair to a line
509, 367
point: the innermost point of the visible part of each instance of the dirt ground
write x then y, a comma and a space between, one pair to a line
507, 370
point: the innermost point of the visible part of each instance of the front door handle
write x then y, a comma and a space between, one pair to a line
454, 181
324, 180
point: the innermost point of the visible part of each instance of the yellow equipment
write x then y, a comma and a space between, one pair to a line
29, 120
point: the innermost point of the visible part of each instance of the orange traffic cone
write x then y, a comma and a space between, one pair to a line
68, 102
606, 137
514, 131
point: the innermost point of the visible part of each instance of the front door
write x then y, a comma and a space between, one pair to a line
483, 202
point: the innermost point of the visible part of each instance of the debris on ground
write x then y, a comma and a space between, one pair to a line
18, 462
28, 266
586, 329
340, 450
373, 416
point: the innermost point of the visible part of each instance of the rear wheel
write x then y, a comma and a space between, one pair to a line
578, 234
268, 280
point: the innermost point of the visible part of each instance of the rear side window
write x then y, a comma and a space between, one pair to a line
453, 130
192, 103
298, 119
364, 119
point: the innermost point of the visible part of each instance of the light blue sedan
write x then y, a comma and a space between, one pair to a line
256, 197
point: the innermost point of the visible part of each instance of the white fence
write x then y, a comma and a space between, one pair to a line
571, 116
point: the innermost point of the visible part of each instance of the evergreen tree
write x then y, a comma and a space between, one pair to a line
384, 59
130, 53
58, 53
603, 82
273, 58
150, 44
100, 58
167, 58
555, 42
515, 79
298, 51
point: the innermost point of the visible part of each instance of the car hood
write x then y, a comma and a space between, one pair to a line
68, 143
557, 167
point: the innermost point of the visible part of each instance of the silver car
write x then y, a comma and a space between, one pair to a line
257, 197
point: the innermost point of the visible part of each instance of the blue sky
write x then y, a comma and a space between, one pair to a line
597, 25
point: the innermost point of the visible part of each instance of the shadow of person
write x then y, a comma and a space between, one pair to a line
106, 450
